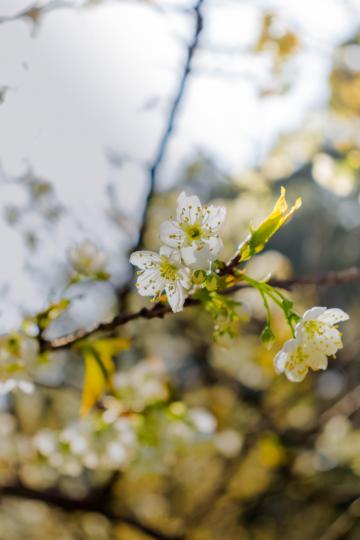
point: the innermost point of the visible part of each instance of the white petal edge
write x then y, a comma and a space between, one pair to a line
142, 259
176, 296
171, 234
214, 217
313, 313
187, 210
334, 316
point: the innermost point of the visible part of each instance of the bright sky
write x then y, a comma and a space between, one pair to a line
99, 80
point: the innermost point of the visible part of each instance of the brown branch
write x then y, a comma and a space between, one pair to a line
349, 275
343, 523
93, 503
340, 277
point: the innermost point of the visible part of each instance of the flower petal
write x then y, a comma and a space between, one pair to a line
184, 276
290, 346
326, 339
215, 245
317, 360
171, 234
173, 255
282, 356
197, 257
313, 313
150, 283
213, 217
333, 316
176, 296
145, 259
280, 361
189, 209
331, 341
297, 374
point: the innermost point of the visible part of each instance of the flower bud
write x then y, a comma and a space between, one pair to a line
212, 282
198, 277
267, 337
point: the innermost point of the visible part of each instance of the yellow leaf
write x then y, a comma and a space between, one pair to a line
258, 237
97, 378
111, 346
99, 368
44, 318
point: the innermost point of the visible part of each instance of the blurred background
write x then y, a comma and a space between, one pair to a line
108, 109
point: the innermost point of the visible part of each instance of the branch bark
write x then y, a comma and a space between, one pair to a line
93, 503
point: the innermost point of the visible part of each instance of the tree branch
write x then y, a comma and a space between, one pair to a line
349, 275
170, 124
165, 138
93, 503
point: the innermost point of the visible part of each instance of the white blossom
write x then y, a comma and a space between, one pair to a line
295, 361
160, 272
87, 258
317, 330
316, 338
195, 231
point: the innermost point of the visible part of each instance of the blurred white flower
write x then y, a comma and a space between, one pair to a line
91, 442
203, 420
316, 338
162, 272
142, 385
228, 443
87, 258
16, 384
195, 231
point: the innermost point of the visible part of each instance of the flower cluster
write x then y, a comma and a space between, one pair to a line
316, 337
91, 442
190, 242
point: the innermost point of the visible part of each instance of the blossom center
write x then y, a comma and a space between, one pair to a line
193, 232
314, 328
167, 270
298, 358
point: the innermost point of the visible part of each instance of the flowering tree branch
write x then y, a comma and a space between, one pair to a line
350, 275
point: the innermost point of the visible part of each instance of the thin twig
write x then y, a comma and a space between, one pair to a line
154, 167
170, 124
35, 11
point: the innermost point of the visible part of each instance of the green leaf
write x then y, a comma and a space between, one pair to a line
258, 237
